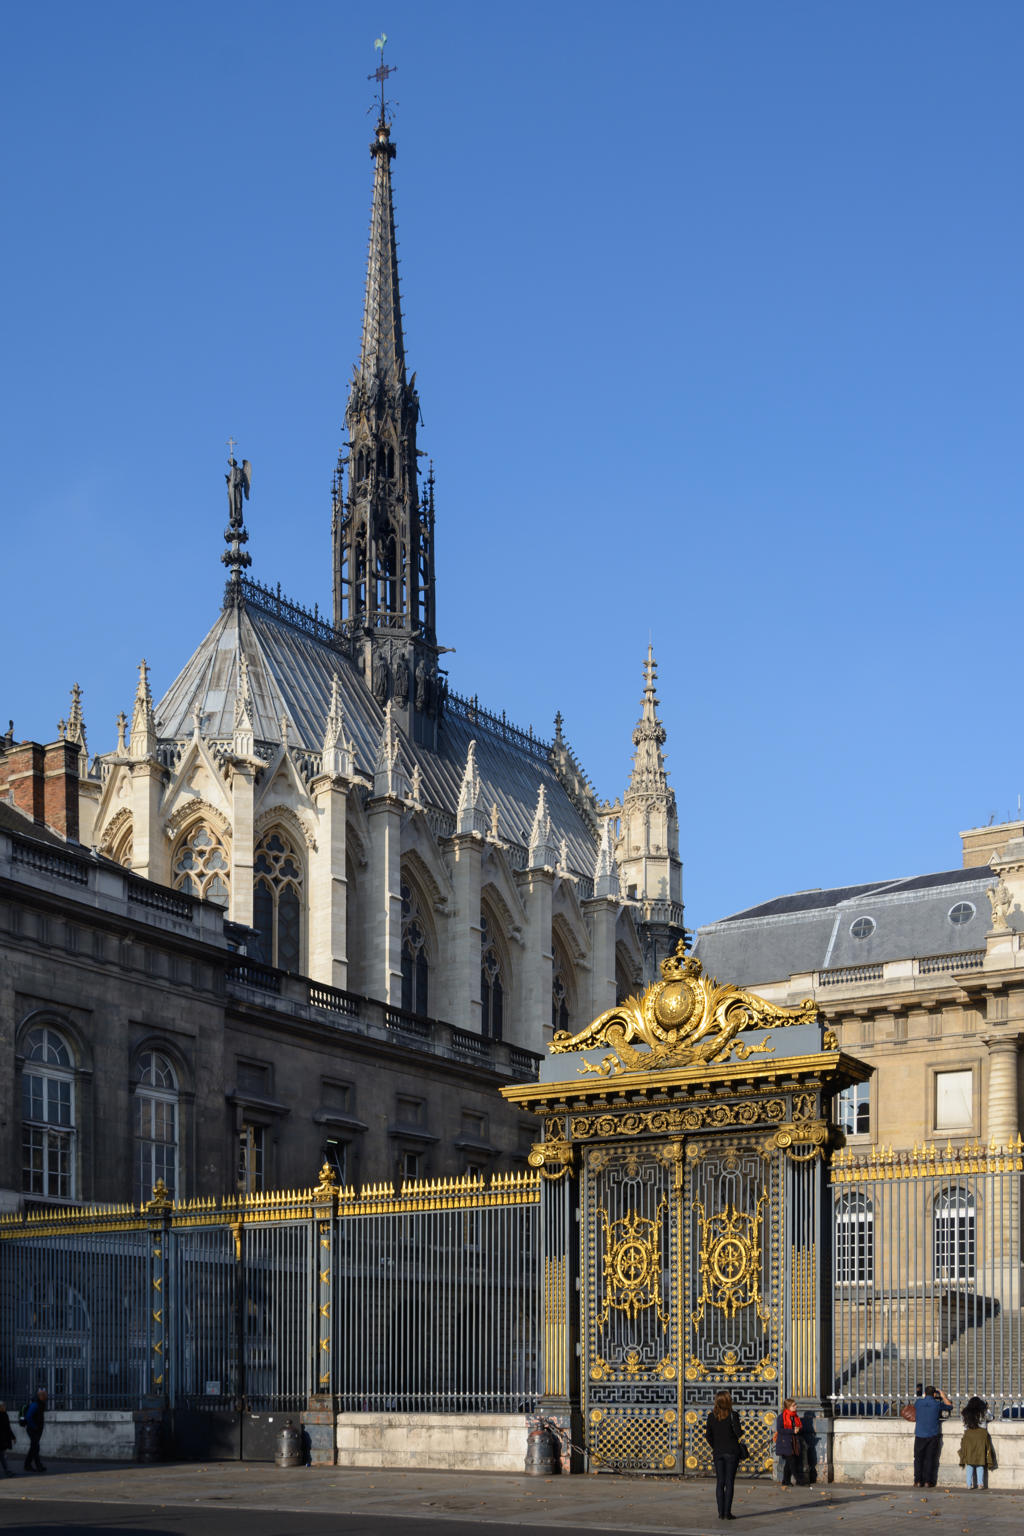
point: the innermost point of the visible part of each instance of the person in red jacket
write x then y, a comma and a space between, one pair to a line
787, 1442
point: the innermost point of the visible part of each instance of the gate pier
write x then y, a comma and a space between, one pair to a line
685, 1246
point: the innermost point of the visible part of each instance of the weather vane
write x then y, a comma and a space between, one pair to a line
383, 70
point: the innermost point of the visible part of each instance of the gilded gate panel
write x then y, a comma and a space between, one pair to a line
733, 1292
631, 1312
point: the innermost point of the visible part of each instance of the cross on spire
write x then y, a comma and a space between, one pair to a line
383, 70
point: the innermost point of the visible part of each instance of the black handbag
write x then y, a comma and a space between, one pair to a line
742, 1450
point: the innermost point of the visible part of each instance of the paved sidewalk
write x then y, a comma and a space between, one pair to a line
605, 1503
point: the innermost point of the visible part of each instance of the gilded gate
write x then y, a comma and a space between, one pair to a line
684, 1181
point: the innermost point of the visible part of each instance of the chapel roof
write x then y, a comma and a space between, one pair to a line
291, 674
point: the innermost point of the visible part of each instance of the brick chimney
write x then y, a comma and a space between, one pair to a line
42, 783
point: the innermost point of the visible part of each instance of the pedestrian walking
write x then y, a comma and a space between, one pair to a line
723, 1435
931, 1408
977, 1453
35, 1419
787, 1442
6, 1440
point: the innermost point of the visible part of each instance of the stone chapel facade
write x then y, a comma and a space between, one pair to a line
377, 832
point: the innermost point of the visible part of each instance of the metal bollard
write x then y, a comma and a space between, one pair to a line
289, 1447
543, 1453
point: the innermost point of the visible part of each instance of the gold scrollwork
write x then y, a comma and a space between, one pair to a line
802, 1143
675, 1121
730, 1260
552, 1159
684, 1019
632, 1265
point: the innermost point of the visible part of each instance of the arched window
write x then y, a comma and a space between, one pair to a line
559, 1003
277, 902
48, 1116
855, 1240
415, 961
121, 852
156, 1125
201, 865
954, 1233
492, 990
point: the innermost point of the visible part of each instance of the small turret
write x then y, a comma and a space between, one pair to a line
142, 741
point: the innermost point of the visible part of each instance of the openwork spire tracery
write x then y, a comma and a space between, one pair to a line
383, 526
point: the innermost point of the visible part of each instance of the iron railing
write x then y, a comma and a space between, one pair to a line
422, 1299
926, 1276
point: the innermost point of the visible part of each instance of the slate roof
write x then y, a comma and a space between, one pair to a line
291, 673
811, 930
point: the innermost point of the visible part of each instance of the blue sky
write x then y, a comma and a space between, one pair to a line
716, 314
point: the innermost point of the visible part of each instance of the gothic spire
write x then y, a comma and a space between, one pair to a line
76, 723
382, 354
383, 526
142, 741
649, 776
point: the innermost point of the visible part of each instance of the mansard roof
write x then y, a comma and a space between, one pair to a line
291, 671
813, 930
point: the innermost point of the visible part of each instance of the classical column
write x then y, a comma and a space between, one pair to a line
1002, 1099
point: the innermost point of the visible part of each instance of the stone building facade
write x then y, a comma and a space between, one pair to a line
921, 977
143, 1044
384, 850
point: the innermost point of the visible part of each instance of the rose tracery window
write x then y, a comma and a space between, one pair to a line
415, 961
201, 866
492, 991
277, 902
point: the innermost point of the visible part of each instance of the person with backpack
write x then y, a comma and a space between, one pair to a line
6, 1440
787, 1442
35, 1419
977, 1454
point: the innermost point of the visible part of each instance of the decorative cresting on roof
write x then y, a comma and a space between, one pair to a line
649, 776
684, 1020
470, 816
142, 741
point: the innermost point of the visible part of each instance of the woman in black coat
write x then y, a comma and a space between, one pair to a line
723, 1434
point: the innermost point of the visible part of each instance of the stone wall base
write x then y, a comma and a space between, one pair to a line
882, 1451
448, 1442
89, 1435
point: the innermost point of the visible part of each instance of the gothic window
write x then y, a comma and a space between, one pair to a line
121, 853
559, 1003
954, 1234
48, 1116
201, 866
492, 991
415, 962
156, 1125
277, 902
